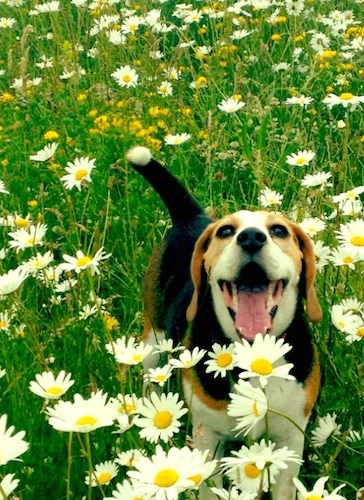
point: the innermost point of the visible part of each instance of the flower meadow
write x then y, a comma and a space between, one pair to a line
254, 104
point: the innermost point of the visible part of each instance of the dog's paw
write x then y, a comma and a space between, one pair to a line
139, 156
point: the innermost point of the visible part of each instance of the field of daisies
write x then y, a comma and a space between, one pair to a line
254, 104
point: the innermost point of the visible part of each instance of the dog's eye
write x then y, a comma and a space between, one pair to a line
279, 231
225, 232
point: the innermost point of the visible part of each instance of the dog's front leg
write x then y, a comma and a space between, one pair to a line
291, 437
206, 438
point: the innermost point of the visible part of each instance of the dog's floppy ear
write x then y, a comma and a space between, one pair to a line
198, 273
313, 308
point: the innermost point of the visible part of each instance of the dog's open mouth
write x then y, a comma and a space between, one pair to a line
252, 300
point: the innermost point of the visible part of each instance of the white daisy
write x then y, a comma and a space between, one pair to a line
326, 427
357, 334
8, 484
346, 322
11, 447
46, 153
165, 474
82, 262
351, 236
320, 179
130, 457
102, 474
7, 22
318, 490
165, 89
127, 404
187, 359
159, 375
132, 354
300, 159
177, 139
11, 281
125, 76
312, 226
302, 100
347, 100
124, 491
344, 257
78, 172
222, 360
269, 197
83, 415
29, 238
166, 346
233, 494
248, 405
263, 359
353, 305
38, 262
160, 416
5, 321
254, 468
3, 189
230, 105
50, 387
131, 24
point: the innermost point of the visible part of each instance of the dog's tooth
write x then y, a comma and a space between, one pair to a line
234, 292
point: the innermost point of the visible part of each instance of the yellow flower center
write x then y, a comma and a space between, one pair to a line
83, 261
348, 259
137, 358
341, 324
224, 360
104, 478
346, 96
358, 241
127, 408
360, 332
163, 419
31, 240
80, 174
252, 471
255, 409
54, 391
126, 78
300, 160
196, 479
132, 27
160, 378
166, 478
313, 497
21, 222
3, 324
86, 420
262, 366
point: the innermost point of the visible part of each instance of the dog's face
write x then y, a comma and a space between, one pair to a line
254, 262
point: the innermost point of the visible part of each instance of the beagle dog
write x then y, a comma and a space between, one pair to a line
221, 281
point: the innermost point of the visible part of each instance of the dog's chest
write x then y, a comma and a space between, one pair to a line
285, 397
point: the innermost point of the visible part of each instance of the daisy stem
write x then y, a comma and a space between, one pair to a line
3, 494
86, 452
276, 412
69, 466
90, 468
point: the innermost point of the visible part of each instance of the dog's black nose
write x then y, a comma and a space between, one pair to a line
251, 239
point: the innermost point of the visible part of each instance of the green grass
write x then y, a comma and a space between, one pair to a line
229, 159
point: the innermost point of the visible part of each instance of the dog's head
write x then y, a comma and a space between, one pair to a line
256, 264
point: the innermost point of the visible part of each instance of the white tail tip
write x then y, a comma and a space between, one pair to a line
139, 155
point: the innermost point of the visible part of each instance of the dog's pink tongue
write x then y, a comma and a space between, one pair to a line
252, 316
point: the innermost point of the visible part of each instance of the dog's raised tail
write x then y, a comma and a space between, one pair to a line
181, 204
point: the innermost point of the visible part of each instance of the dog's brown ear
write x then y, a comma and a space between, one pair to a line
313, 308
198, 273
